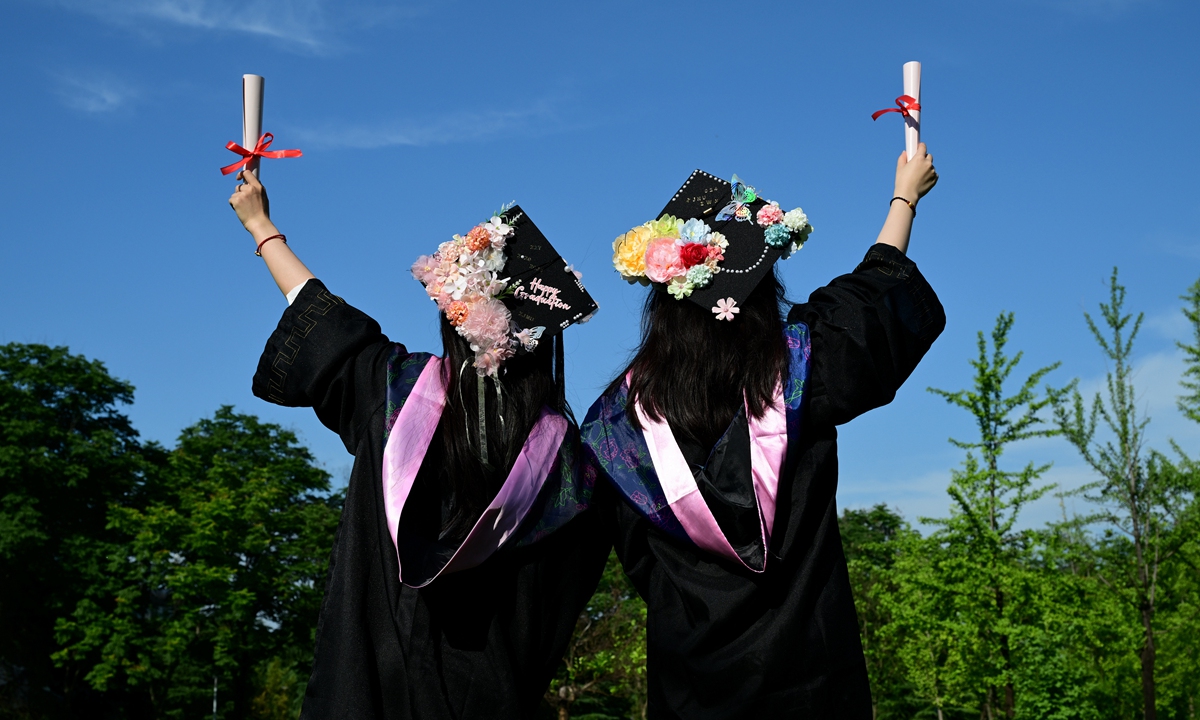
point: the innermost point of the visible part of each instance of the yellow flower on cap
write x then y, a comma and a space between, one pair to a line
666, 226
629, 252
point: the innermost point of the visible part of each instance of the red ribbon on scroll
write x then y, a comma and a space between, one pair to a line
260, 151
905, 104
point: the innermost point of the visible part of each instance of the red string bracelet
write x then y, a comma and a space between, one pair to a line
258, 250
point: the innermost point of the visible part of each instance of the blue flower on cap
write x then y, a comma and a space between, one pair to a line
693, 231
777, 235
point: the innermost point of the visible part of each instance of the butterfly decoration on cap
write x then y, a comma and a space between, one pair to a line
739, 207
529, 337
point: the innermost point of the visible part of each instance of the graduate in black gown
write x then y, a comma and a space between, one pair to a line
468, 544
721, 440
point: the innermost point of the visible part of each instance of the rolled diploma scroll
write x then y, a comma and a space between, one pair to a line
252, 113
912, 123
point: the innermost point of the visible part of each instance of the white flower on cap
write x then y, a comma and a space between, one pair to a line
795, 220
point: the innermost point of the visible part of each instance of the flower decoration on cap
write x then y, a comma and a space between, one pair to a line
685, 255
682, 255
726, 309
790, 228
463, 278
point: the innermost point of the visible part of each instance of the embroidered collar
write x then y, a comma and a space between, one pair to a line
414, 424
768, 448
649, 470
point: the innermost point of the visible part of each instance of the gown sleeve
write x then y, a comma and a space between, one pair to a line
330, 356
869, 330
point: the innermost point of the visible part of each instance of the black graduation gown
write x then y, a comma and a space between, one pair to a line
727, 643
481, 643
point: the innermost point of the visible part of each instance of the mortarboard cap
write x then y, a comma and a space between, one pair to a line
546, 294
503, 287
747, 259
712, 244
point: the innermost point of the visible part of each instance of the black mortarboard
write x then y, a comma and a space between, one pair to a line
747, 259
546, 296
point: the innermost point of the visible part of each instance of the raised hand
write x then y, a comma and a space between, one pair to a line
249, 201
916, 177
252, 206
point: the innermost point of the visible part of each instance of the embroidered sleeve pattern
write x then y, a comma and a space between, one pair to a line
305, 321
919, 308
403, 369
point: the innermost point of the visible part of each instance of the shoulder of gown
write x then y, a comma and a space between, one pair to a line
330, 356
869, 330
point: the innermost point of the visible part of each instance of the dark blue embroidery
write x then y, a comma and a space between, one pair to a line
799, 362
567, 492
619, 452
403, 369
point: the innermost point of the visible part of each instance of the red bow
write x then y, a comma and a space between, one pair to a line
906, 104
260, 151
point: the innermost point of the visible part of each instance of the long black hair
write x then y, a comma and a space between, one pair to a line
527, 383
694, 371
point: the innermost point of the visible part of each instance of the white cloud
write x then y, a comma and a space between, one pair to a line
1156, 384
92, 93
1170, 325
304, 24
440, 130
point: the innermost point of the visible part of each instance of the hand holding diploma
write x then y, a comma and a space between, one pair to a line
249, 201
914, 178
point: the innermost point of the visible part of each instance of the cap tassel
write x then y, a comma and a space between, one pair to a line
482, 400
558, 371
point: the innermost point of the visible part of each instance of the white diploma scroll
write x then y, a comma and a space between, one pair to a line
252, 115
912, 123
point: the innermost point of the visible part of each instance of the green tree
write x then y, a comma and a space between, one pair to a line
987, 565
1180, 628
1189, 403
929, 643
871, 539
222, 577
1140, 494
604, 668
67, 454
1073, 657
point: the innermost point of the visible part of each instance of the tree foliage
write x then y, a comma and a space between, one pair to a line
1140, 495
67, 455
603, 673
1094, 616
133, 578
222, 578
984, 559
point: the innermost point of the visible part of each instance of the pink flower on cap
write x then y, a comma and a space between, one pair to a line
726, 309
769, 215
662, 260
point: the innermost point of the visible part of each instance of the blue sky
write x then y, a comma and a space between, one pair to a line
1062, 129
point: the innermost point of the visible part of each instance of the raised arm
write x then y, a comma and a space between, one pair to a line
914, 178
250, 203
